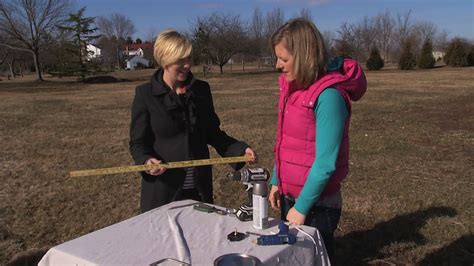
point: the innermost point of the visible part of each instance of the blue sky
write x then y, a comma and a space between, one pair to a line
454, 16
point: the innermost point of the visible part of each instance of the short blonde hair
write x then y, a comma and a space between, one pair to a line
305, 43
171, 46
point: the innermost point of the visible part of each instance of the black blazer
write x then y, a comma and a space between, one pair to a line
172, 129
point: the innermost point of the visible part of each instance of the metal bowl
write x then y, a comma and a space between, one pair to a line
169, 262
237, 259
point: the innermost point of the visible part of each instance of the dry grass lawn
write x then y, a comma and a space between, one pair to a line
407, 200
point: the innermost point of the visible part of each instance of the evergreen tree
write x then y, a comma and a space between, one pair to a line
407, 59
426, 59
375, 61
138, 41
470, 56
80, 26
457, 53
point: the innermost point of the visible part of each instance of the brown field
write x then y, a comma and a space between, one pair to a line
407, 200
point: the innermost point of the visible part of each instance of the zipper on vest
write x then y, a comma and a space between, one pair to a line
282, 114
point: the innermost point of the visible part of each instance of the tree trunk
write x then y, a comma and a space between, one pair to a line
118, 59
37, 65
12, 67
21, 69
82, 64
222, 71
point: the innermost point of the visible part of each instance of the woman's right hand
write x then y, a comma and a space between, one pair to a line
274, 198
156, 171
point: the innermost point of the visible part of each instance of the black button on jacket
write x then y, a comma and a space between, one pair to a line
171, 129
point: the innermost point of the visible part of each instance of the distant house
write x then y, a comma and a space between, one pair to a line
139, 52
93, 52
138, 49
438, 55
144, 50
268, 60
137, 62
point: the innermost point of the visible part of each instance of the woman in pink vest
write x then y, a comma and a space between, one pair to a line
312, 140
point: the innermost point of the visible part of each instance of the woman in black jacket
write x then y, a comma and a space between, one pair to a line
173, 119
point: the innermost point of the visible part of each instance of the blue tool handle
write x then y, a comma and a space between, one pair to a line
272, 240
283, 237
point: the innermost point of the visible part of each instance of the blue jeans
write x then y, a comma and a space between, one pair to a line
323, 218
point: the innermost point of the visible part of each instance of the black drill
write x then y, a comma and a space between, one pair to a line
248, 177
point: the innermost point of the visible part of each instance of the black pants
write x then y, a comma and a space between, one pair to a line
155, 194
323, 218
191, 193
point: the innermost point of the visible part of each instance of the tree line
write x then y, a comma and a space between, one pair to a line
48, 36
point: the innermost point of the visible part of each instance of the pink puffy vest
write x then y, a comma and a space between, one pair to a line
296, 134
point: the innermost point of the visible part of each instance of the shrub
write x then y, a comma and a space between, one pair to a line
375, 61
470, 56
344, 49
426, 59
457, 53
407, 59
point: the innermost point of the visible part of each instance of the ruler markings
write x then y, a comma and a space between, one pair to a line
170, 165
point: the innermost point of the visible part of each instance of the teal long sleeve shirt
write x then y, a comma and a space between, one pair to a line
331, 114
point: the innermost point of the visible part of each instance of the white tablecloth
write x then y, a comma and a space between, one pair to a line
179, 232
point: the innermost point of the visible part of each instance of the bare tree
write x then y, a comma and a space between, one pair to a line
329, 41
7, 56
404, 34
350, 42
367, 32
27, 23
356, 40
116, 25
404, 27
385, 25
440, 40
274, 20
109, 52
16, 62
116, 28
201, 54
306, 14
257, 24
220, 37
4, 52
256, 34
3, 55
151, 35
425, 30
61, 54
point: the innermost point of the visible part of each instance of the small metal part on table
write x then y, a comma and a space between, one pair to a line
231, 212
253, 233
219, 211
236, 236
